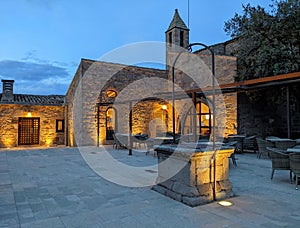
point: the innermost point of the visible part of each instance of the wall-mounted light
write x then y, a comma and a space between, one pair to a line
28, 114
164, 107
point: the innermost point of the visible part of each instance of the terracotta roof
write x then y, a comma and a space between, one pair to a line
36, 99
177, 22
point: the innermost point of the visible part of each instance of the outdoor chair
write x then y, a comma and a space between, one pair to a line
283, 145
250, 143
139, 139
232, 156
295, 166
262, 147
237, 142
280, 161
150, 145
119, 141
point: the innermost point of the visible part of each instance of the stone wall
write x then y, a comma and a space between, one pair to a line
137, 84
130, 83
9, 118
194, 73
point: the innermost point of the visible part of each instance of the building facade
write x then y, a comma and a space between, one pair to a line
30, 119
103, 97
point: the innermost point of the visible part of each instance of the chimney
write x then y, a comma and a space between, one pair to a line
7, 90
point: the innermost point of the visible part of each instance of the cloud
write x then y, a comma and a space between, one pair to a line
36, 77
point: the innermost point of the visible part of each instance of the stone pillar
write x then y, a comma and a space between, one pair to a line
187, 175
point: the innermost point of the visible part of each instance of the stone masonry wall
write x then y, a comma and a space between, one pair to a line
9, 118
198, 74
131, 83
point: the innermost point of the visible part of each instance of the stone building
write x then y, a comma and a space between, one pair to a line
103, 96
30, 119
99, 97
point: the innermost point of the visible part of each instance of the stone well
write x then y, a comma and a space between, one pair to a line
187, 174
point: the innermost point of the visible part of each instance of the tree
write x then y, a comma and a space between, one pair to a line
268, 42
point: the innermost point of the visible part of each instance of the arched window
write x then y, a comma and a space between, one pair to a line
203, 120
170, 39
110, 123
181, 38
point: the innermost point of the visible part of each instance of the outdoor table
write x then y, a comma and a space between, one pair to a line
163, 139
240, 138
293, 150
273, 140
282, 143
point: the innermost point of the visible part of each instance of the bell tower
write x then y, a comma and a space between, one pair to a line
177, 37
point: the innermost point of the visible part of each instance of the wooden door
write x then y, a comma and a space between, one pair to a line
29, 131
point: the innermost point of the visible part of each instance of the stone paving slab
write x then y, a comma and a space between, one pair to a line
55, 188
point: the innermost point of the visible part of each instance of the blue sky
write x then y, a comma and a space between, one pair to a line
42, 41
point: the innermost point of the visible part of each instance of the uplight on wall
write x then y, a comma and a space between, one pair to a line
164, 107
28, 114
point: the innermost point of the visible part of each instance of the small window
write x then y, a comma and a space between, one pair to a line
170, 38
60, 125
181, 38
111, 93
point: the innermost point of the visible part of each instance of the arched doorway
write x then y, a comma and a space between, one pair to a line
110, 123
159, 125
203, 120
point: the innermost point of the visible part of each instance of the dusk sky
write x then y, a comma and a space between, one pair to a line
42, 41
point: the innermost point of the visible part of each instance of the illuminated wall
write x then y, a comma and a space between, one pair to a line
9, 120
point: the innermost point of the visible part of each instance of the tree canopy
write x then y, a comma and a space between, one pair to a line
268, 41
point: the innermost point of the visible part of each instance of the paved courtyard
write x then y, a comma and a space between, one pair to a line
56, 188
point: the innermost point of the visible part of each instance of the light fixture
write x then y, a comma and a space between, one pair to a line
111, 93
28, 114
164, 107
225, 203
207, 117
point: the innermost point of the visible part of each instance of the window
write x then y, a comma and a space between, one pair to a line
60, 125
181, 38
111, 93
203, 120
170, 39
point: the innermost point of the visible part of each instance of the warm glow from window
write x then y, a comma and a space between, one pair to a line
28, 114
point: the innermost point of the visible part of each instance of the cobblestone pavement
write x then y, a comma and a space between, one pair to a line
55, 188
